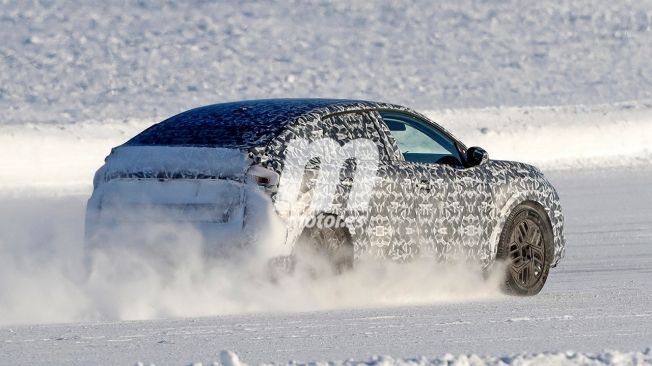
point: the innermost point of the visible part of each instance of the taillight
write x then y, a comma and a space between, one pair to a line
262, 177
262, 181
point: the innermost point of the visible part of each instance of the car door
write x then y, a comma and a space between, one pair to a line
440, 185
386, 227
476, 211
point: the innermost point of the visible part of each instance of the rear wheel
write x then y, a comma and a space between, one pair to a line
325, 248
526, 245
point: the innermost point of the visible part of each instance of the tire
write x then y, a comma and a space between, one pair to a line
331, 246
526, 245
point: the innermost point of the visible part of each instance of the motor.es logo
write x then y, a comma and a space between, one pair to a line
332, 159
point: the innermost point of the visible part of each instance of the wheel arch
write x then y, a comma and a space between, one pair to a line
342, 255
533, 198
339, 222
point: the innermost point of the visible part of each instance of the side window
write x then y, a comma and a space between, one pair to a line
419, 142
346, 127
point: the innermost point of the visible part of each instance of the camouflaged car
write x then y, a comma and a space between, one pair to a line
226, 168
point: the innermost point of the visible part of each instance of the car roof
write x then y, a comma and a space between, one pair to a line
240, 124
266, 111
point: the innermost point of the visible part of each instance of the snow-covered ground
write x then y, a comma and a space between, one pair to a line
229, 358
98, 60
598, 298
565, 85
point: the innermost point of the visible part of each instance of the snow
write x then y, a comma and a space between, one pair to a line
558, 137
564, 85
597, 299
71, 61
229, 358
569, 358
58, 157
554, 137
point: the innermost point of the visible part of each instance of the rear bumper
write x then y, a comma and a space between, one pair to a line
242, 217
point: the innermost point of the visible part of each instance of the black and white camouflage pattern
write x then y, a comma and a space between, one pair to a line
459, 213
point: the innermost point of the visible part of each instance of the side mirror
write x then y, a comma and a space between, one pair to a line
476, 156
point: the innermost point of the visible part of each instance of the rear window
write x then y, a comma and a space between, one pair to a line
210, 128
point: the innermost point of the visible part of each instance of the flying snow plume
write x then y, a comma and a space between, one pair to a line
160, 271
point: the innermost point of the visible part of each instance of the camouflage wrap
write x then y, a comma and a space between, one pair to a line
415, 209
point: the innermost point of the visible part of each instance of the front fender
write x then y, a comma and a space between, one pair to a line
534, 188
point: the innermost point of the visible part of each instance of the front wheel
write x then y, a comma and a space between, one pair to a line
526, 245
